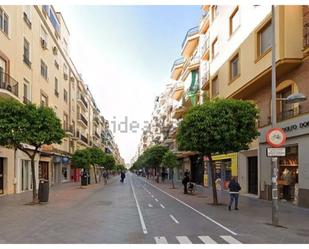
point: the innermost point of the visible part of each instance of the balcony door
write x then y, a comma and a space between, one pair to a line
2, 70
1, 175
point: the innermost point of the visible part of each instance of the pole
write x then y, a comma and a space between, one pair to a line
274, 163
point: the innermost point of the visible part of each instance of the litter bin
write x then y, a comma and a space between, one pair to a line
43, 193
84, 180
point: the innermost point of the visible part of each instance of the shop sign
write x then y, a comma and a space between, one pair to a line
275, 137
295, 126
275, 152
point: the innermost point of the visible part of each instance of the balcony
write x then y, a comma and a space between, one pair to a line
82, 120
81, 100
190, 42
97, 135
83, 138
194, 62
178, 112
205, 49
205, 81
8, 86
96, 120
26, 100
178, 91
204, 24
68, 129
177, 68
295, 111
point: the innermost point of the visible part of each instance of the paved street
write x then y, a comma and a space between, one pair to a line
137, 211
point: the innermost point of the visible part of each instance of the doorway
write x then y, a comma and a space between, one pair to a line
252, 175
1, 176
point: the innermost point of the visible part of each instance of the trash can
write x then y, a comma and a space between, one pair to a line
43, 193
84, 180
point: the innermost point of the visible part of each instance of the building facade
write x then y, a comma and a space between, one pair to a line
35, 67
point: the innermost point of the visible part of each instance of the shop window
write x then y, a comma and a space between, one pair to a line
264, 39
234, 67
288, 174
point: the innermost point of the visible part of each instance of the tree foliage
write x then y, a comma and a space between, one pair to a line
170, 160
81, 159
218, 127
28, 124
109, 162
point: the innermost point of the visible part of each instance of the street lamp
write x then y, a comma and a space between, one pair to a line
293, 98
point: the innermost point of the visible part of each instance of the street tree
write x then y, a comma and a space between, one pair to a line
109, 162
170, 161
22, 125
97, 157
218, 127
81, 159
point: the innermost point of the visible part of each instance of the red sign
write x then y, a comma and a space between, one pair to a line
275, 137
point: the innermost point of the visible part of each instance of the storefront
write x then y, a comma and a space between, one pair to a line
61, 169
225, 167
293, 169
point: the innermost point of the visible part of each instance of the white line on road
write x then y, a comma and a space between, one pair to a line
160, 240
149, 205
162, 206
156, 200
183, 240
200, 213
207, 240
139, 210
230, 240
174, 219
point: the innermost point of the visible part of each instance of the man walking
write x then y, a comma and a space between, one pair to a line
234, 188
122, 175
185, 181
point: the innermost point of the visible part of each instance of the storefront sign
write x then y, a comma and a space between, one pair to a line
296, 126
275, 152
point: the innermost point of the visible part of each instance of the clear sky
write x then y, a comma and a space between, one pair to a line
125, 54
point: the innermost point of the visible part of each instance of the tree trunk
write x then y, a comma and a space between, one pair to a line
34, 192
213, 183
172, 176
95, 174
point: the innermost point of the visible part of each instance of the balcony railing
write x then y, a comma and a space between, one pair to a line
178, 62
26, 100
83, 119
8, 83
68, 128
83, 138
96, 134
205, 78
190, 32
81, 97
288, 114
205, 46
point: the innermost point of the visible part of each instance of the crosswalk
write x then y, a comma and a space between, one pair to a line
227, 239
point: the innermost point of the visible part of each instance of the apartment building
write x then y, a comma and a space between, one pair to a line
35, 66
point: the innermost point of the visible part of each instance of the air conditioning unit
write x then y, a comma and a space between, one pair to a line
55, 50
43, 43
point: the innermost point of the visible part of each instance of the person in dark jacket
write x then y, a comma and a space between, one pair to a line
122, 176
185, 181
234, 188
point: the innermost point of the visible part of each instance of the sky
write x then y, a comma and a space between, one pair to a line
125, 54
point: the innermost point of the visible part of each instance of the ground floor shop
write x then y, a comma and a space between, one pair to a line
293, 169
61, 169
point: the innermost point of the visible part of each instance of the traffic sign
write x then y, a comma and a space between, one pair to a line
275, 137
275, 152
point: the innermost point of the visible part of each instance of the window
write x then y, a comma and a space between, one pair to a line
44, 38
234, 21
65, 121
43, 70
214, 12
65, 72
285, 110
65, 95
65, 46
234, 67
27, 52
27, 15
215, 87
56, 87
264, 39
27, 98
44, 100
4, 21
214, 48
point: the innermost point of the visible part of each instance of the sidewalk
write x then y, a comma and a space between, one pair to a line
253, 216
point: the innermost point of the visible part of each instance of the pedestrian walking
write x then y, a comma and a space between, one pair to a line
185, 181
234, 188
122, 176
105, 176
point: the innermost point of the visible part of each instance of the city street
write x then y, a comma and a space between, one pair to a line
137, 211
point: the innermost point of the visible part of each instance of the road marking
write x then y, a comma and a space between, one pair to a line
160, 240
149, 205
200, 213
183, 240
207, 240
156, 200
139, 210
174, 219
230, 240
162, 206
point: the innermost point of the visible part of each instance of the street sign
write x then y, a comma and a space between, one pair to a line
275, 137
275, 152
